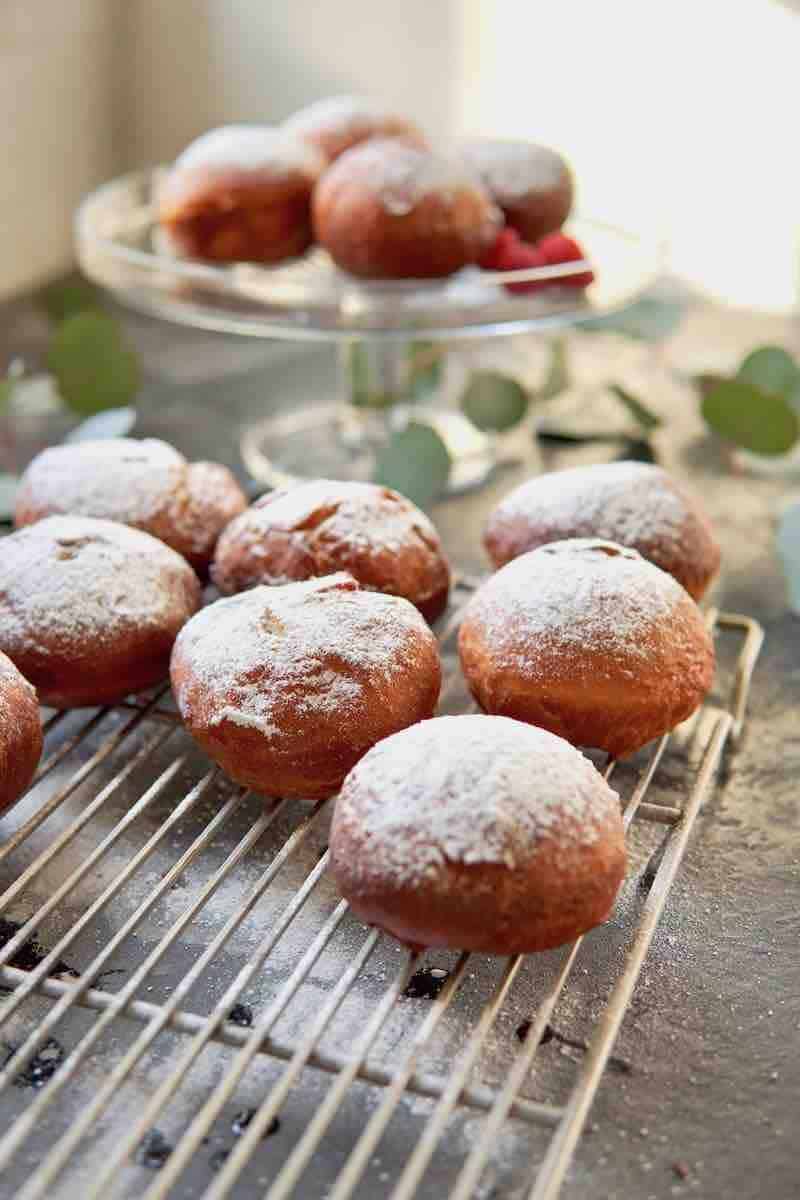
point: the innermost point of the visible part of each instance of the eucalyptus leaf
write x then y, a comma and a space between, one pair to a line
425, 369
641, 414
65, 297
113, 423
763, 422
6, 391
788, 546
358, 370
8, 492
416, 462
94, 368
649, 319
770, 369
557, 379
494, 402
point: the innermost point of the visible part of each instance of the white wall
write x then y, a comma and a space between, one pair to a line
57, 97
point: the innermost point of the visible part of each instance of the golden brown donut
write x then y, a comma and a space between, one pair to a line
341, 122
146, 484
241, 193
20, 733
287, 687
388, 210
531, 184
589, 640
635, 504
324, 526
478, 833
89, 609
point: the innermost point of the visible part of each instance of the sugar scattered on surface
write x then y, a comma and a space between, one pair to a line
626, 502
250, 147
305, 642
585, 593
73, 580
512, 169
339, 114
468, 789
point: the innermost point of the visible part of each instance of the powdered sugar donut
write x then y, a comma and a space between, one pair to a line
388, 210
478, 833
20, 733
89, 609
587, 639
531, 184
241, 193
286, 687
635, 504
340, 122
317, 528
144, 483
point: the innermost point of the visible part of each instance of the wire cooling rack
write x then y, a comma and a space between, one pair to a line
189, 1009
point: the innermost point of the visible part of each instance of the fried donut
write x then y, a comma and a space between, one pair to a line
531, 184
388, 210
286, 687
324, 526
144, 483
20, 733
634, 504
478, 833
341, 122
589, 640
89, 609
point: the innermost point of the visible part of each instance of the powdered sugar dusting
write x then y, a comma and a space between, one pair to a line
344, 115
513, 169
305, 644
402, 175
251, 148
626, 502
468, 789
583, 593
119, 479
76, 581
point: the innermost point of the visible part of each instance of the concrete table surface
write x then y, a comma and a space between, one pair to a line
711, 1106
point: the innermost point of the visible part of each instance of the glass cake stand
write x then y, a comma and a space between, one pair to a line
382, 330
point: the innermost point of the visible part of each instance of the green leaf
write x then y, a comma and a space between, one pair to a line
763, 422
637, 450
425, 369
6, 391
557, 378
650, 319
416, 462
637, 409
94, 368
358, 369
494, 402
65, 297
770, 369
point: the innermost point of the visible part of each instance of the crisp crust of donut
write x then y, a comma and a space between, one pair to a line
590, 641
633, 504
287, 687
241, 194
89, 609
317, 528
532, 184
341, 122
387, 210
20, 733
143, 483
478, 833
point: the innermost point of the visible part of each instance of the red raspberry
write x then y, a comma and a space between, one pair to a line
510, 253
558, 248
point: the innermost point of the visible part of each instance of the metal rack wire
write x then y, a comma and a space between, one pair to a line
124, 819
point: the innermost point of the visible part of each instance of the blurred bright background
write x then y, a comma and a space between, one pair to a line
677, 117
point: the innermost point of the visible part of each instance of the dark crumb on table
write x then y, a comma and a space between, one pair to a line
241, 1014
426, 983
154, 1150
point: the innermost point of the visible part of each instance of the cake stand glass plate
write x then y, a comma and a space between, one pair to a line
120, 247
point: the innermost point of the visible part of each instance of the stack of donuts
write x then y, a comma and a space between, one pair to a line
316, 673
363, 183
